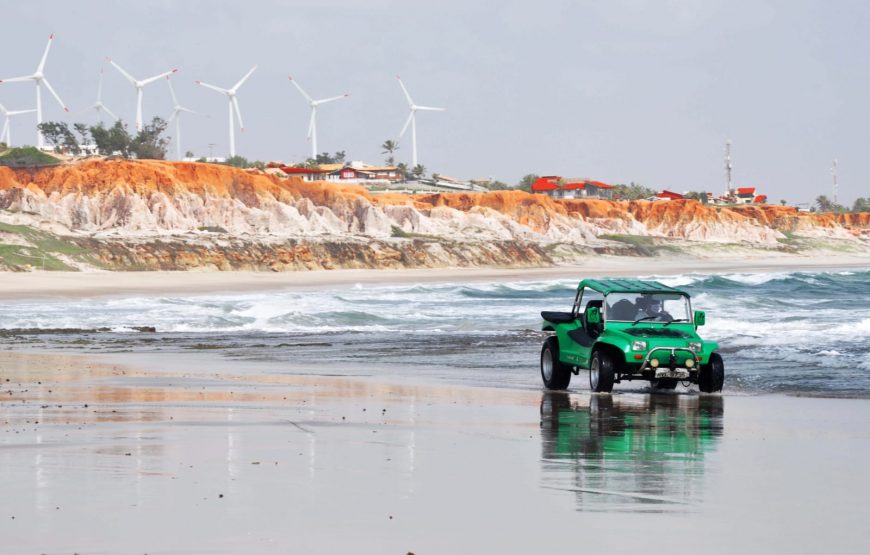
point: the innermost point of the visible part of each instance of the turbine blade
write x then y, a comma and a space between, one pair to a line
114, 117
404, 90
3, 109
17, 79
235, 102
45, 54
16, 112
243, 79
3, 133
431, 109
407, 123
212, 87
332, 99
129, 77
172, 116
54, 94
189, 111
301, 90
156, 77
172, 91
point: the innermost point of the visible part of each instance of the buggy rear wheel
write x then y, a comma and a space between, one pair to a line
555, 374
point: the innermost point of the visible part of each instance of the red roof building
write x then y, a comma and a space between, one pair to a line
546, 184
307, 174
669, 195
556, 187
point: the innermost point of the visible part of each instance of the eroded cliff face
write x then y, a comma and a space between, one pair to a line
124, 205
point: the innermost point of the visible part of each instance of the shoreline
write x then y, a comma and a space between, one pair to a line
15, 285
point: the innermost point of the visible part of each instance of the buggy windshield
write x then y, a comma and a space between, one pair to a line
647, 307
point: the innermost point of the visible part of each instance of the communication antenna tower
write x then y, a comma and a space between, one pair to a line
728, 166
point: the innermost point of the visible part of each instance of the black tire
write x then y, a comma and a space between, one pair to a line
555, 374
602, 370
665, 383
712, 376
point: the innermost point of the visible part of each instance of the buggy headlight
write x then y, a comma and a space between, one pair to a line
695, 347
638, 346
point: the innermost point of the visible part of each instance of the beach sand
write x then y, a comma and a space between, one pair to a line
123, 455
87, 284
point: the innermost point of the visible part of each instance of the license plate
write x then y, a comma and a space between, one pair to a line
667, 373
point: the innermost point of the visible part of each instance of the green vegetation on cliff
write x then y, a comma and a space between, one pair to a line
23, 247
27, 156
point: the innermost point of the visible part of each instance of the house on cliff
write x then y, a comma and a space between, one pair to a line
741, 195
667, 195
747, 195
557, 187
360, 172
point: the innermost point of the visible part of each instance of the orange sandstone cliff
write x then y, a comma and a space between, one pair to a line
182, 215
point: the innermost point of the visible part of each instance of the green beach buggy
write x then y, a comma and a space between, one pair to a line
628, 329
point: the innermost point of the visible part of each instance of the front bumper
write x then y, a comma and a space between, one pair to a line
676, 366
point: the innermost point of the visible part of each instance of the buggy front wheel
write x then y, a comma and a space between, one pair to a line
712, 376
602, 371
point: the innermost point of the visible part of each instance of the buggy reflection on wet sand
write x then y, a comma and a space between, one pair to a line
632, 453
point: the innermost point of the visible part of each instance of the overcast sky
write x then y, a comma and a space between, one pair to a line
616, 90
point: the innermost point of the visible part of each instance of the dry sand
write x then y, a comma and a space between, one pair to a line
101, 457
85, 284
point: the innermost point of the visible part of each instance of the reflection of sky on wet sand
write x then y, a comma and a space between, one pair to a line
636, 453
107, 458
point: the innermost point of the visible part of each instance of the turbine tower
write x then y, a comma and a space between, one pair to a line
138, 85
6, 134
412, 121
98, 105
39, 78
233, 104
834, 175
312, 124
176, 115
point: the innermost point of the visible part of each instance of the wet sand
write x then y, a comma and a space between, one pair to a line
102, 457
87, 284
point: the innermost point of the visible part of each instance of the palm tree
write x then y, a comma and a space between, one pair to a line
390, 147
403, 170
824, 204
419, 171
436, 177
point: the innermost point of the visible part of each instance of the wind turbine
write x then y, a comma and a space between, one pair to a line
39, 78
176, 113
412, 120
98, 105
139, 85
312, 125
234, 106
6, 134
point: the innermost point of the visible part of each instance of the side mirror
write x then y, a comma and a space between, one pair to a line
593, 315
700, 318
